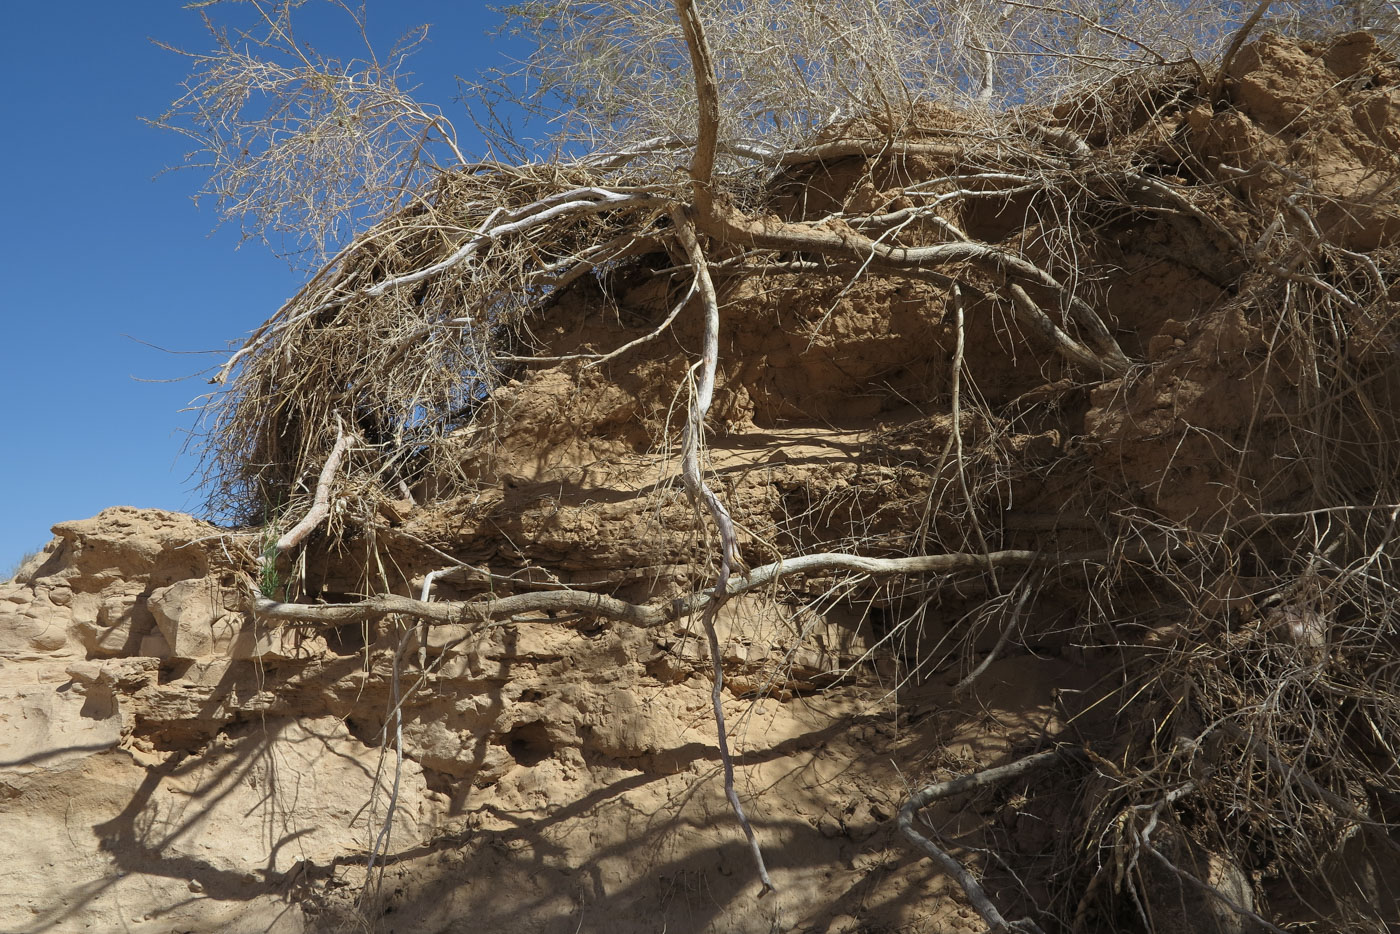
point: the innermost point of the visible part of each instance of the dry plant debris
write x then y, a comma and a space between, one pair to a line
1113, 382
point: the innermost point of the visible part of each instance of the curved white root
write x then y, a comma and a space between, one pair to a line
539, 603
321, 505
700, 493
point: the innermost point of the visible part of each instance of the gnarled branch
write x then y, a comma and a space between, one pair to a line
321, 504
651, 615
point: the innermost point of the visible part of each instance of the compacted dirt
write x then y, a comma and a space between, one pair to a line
170, 763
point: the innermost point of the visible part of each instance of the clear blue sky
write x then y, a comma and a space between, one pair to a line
95, 247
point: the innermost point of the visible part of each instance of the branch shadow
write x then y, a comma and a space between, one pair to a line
137, 844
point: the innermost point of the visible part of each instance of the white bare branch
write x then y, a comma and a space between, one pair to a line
579, 201
701, 494
538, 603
321, 504
939, 790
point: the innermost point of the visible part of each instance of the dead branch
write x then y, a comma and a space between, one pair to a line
1030, 315
380, 846
564, 272
790, 157
844, 242
459, 611
700, 493
882, 148
1236, 43
1260, 749
1211, 890
648, 615
1090, 23
321, 504
325, 280
1013, 619
702, 66
597, 359
579, 201
931, 793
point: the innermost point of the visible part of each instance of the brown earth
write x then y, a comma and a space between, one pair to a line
170, 763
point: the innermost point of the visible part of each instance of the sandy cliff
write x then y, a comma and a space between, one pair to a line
170, 761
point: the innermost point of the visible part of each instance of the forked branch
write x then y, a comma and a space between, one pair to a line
538, 604
701, 494
931, 793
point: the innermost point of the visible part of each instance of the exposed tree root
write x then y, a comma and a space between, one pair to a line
321, 504
931, 793
701, 494
648, 615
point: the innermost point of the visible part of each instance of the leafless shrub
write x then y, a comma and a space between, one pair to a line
301, 146
616, 71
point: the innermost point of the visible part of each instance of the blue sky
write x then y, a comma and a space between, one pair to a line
100, 252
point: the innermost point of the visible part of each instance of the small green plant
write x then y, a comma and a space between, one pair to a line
271, 583
269, 578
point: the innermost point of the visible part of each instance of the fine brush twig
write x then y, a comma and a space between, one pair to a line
1013, 620
1211, 891
380, 846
